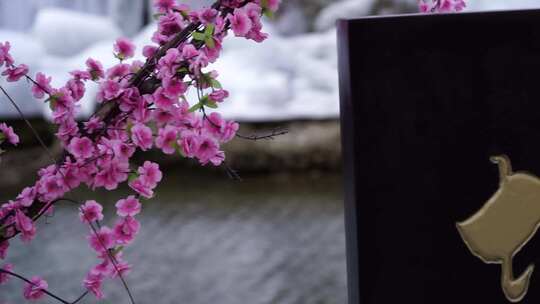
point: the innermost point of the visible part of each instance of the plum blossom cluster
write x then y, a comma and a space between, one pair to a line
143, 105
441, 6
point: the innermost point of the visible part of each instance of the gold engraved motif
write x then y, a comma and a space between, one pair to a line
509, 219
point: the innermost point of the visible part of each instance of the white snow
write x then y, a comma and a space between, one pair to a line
481, 5
30, 52
127, 14
283, 78
66, 33
287, 77
342, 9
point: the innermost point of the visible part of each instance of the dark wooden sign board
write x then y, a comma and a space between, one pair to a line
425, 101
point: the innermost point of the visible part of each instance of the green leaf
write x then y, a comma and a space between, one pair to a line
119, 56
196, 107
185, 14
268, 13
156, 16
206, 101
132, 176
181, 152
209, 41
209, 30
211, 104
52, 104
215, 84
199, 36
116, 250
182, 70
129, 126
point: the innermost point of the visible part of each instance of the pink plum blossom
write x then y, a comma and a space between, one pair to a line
81, 148
219, 95
208, 15
42, 86
141, 135
34, 289
4, 277
189, 51
174, 87
81, 75
149, 51
441, 6
166, 139
27, 196
5, 57
123, 268
241, 23
118, 71
108, 90
126, 229
223, 130
93, 282
170, 24
15, 73
91, 211
123, 150
149, 172
25, 225
189, 143
102, 240
208, 151
141, 187
9, 134
111, 174
161, 100
95, 68
164, 6
124, 48
129, 206
51, 187
93, 124
71, 173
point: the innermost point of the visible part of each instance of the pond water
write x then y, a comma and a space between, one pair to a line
267, 239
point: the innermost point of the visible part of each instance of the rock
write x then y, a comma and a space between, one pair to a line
313, 146
309, 145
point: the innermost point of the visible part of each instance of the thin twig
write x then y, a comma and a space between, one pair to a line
23, 117
111, 257
271, 136
50, 294
233, 174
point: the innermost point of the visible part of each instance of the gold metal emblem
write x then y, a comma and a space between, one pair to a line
509, 219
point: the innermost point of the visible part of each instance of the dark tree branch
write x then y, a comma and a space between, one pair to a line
50, 294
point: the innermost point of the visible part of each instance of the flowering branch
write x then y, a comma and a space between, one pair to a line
137, 100
441, 6
23, 117
35, 286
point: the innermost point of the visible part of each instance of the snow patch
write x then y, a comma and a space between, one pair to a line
342, 9
66, 33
